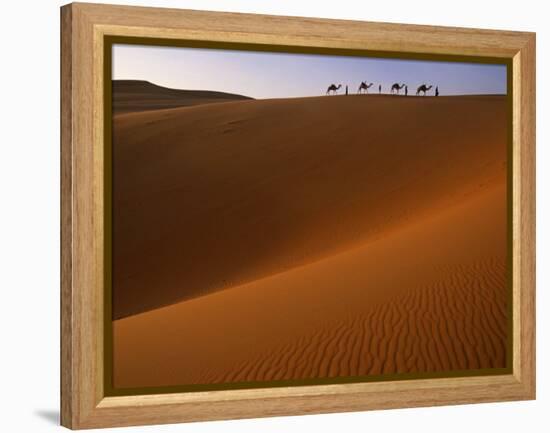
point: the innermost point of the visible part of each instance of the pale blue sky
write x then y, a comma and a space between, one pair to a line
279, 75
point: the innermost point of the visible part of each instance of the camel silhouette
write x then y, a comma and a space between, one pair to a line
364, 86
396, 87
333, 88
423, 88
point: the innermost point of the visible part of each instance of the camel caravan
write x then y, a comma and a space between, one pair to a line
395, 89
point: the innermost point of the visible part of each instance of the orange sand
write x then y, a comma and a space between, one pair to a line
309, 238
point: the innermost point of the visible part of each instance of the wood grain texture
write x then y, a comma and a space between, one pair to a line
524, 216
83, 402
67, 393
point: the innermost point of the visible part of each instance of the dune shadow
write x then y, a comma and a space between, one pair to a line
50, 415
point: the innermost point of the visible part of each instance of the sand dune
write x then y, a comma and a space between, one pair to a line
214, 197
428, 296
136, 95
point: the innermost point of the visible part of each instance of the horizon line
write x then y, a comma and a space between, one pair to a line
374, 93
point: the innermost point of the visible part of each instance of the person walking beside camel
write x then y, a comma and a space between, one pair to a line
406, 90
436, 91
396, 87
380, 89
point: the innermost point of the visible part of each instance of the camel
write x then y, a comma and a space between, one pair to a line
364, 86
396, 87
423, 88
333, 88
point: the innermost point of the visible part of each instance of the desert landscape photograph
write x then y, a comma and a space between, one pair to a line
299, 218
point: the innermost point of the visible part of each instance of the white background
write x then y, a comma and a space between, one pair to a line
29, 216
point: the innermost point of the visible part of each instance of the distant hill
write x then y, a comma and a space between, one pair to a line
136, 95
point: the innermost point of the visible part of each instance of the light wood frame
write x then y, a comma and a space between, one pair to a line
84, 26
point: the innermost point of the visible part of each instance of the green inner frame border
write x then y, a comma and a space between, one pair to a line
108, 42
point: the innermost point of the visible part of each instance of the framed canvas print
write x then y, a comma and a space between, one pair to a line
267, 215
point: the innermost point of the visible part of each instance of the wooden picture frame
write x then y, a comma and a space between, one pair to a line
84, 28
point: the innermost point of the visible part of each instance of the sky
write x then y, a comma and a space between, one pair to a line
280, 75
